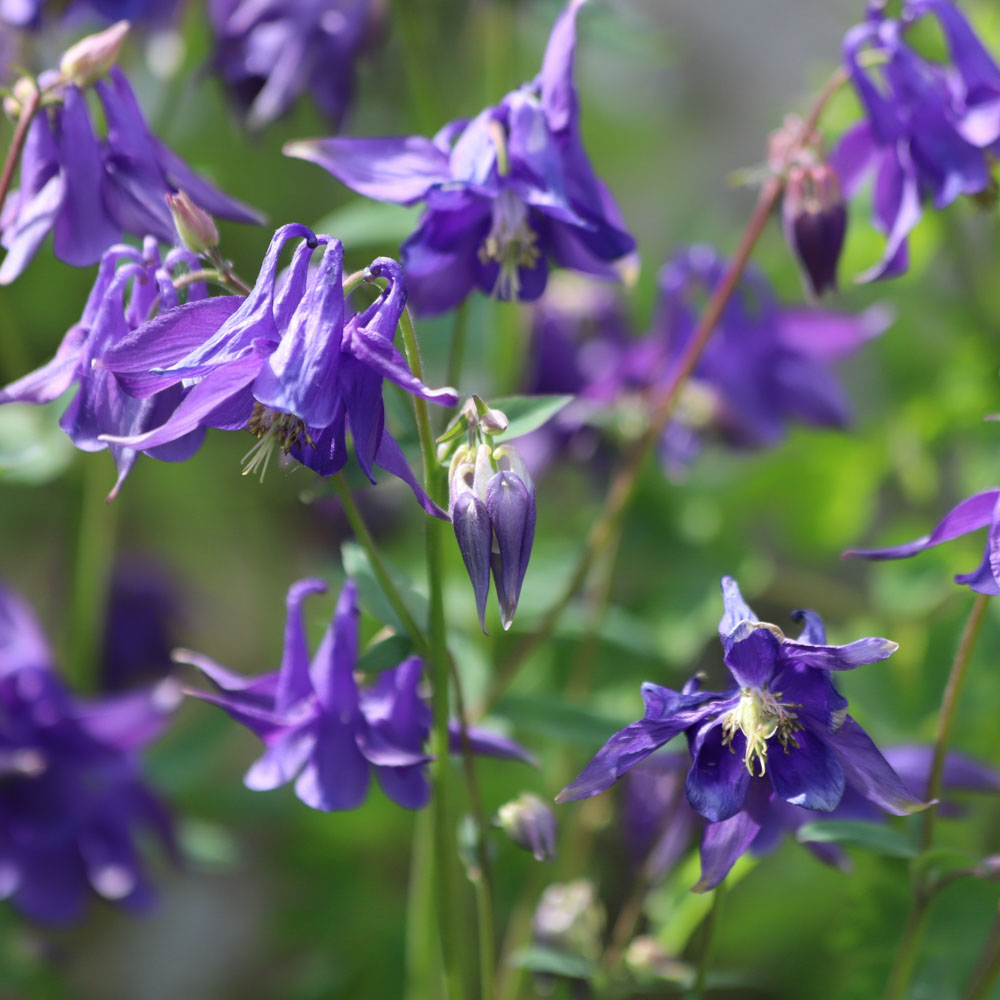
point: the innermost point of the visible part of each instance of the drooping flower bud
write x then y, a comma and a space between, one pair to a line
510, 501
531, 824
815, 222
195, 227
470, 471
92, 57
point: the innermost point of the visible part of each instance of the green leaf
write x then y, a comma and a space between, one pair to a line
527, 413
558, 963
869, 836
384, 655
364, 223
359, 569
559, 720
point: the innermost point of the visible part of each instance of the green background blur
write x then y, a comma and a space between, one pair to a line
280, 901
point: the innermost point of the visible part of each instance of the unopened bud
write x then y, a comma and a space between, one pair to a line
815, 223
91, 57
570, 918
195, 227
647, 960
530, 824
21, 93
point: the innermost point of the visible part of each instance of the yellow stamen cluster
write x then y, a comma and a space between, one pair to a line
273, 429
760, 716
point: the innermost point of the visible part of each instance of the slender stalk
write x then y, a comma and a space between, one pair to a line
456, 357
705, 958
91, 573
987, 968
204, 274
364, 536
447, 897
29, 106
228, 277
619, 495
909, 942
419, 79
946, 717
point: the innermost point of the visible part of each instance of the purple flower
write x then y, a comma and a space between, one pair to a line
130, 285
929, 131
270, 52
971, 514
30, 13
814, 218
324, 732
88, 191
282, 364
505, 192
782, 728
492, 507
72, 800
765, 365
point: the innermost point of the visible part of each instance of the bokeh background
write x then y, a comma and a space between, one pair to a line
274, 900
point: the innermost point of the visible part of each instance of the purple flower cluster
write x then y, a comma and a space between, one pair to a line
322, 730
505, 193
271, 52
87, 191
72, 800
780, 733
930, 129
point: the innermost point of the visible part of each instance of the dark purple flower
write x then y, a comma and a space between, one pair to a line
131, 284
492, 507
324, 732
971, 514
765, 365
930, 130
815, 223
72, 801
88, 191
782, 720
270, 52
283, 364
505, 192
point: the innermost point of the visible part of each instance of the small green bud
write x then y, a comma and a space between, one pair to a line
91, 57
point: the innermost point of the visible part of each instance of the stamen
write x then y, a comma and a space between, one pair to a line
511, 242
274, 429
760, 716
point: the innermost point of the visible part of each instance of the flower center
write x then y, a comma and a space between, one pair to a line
273, 429
760, 716
511, 242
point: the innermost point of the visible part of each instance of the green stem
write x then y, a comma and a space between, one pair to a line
447, 897
91, 574
364, 536
987, 968
708, 944
28, 109
456, 356
622, 488
228, 277
946, 717
909, 942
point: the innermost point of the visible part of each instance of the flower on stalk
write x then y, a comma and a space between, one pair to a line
971, 514
271, 52
72, 800
781, 729
765, 365
930, 130
324, 732
88, 191
492, 507
504, 192
531, 824
130, 285
284, 364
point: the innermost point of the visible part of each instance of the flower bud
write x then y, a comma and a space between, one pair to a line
815, 222
23, 90
570, 918
91, 57
510, 501
530, 824
469, 517
195, 227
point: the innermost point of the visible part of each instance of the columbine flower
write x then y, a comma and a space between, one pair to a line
130, 285
930, 130
505, 193
492, 507
971, 514
87, 191
272, 52
765, 365
284, 365
782, 730
324, 732
72, 800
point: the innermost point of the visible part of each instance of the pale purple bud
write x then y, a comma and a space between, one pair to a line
195, 227
815, 222
473, 532
92, 57
530, 824
511, 506
570, 918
